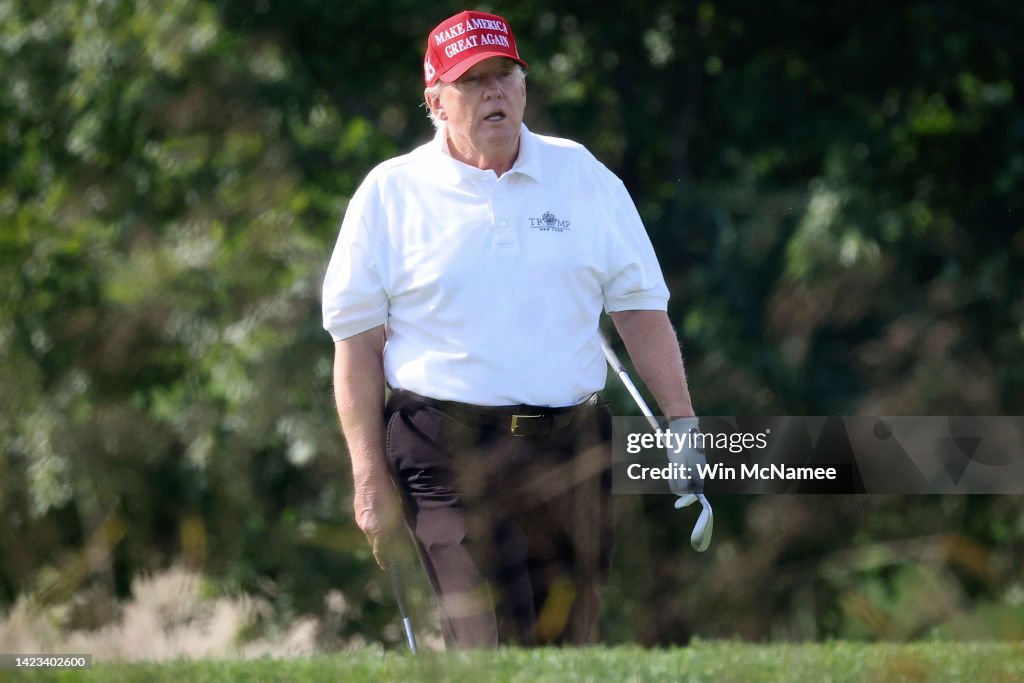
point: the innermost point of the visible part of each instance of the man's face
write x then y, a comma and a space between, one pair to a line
484, 108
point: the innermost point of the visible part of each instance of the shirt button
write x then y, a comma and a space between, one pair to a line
502, 224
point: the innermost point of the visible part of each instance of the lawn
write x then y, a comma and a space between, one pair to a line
702, 661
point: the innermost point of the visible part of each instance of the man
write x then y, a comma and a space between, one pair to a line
469, 276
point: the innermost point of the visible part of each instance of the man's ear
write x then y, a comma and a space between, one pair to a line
433, 101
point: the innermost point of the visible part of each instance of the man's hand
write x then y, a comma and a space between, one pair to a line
681, 451
378, 512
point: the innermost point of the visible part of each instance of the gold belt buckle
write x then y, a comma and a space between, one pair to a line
520, 428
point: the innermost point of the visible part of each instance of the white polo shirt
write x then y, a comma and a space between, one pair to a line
491, 288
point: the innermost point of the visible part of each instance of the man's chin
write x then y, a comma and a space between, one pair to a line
499, 136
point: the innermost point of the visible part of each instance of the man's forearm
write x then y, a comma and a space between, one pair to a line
359, 395
654, 350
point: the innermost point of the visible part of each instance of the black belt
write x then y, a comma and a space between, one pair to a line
519, 420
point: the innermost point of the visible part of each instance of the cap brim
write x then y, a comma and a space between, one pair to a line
454, 73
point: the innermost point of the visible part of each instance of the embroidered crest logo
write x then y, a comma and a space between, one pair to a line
549, 222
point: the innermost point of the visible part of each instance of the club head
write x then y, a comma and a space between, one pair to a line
700, 537
685, 500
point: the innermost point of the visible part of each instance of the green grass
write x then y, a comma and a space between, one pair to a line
705, 661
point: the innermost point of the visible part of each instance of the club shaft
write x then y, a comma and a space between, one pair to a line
396, 586
618, 369
410, 637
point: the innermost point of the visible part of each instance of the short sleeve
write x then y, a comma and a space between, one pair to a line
635, 280
354, 296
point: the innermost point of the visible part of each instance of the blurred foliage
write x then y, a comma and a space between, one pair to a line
834, 193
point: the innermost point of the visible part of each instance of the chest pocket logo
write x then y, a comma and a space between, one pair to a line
549, 222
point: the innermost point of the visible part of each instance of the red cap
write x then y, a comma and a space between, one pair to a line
456, 44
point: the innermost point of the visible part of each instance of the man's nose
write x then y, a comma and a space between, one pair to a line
492, 87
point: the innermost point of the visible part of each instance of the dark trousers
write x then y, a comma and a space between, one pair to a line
514, 532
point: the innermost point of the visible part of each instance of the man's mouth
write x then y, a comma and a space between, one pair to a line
495, 117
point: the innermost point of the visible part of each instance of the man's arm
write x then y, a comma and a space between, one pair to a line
359, 395
654, 349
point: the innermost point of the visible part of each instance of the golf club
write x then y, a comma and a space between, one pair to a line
396, 586
700, 538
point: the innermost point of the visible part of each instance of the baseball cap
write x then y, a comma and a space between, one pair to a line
466, 39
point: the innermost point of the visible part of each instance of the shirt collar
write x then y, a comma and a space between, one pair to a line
526, 163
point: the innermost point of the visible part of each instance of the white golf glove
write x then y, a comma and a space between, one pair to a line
684, 430
690, 489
